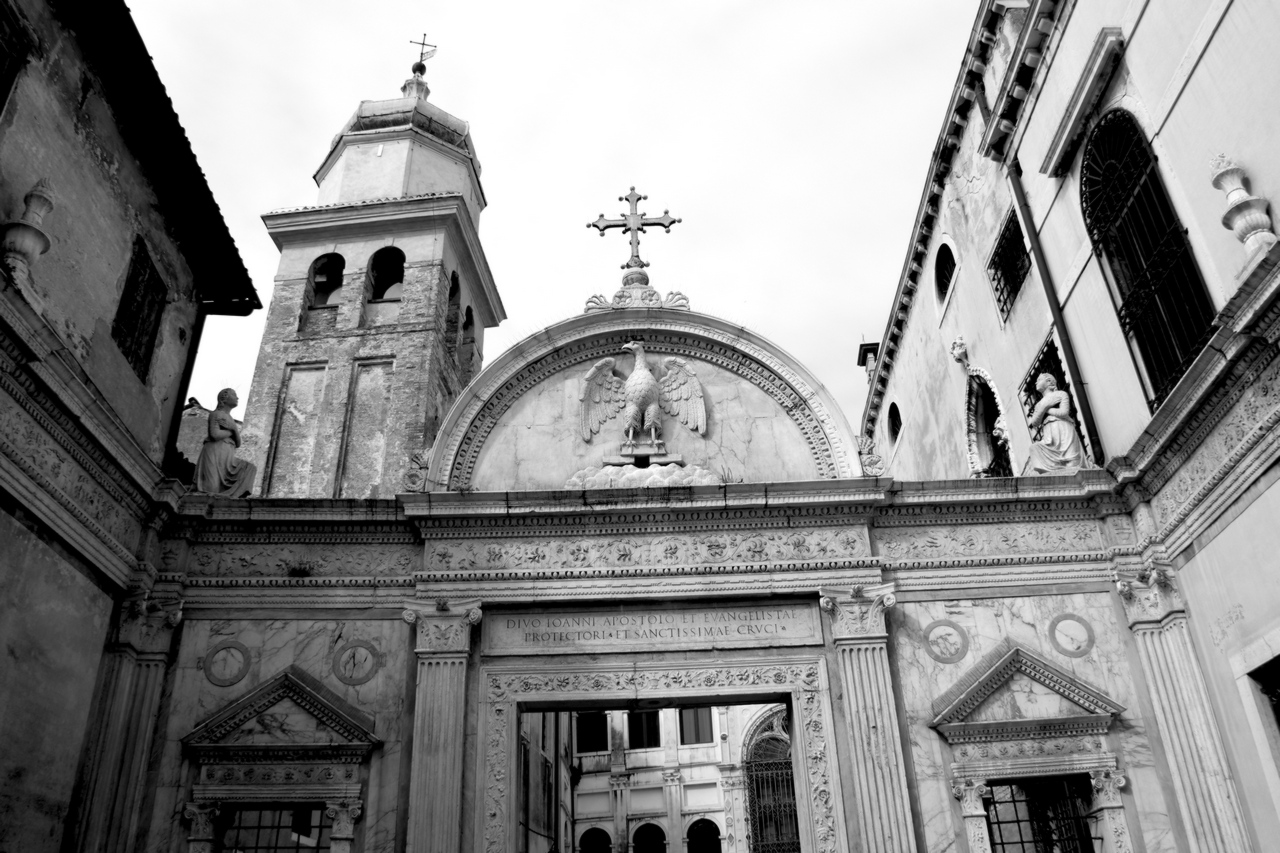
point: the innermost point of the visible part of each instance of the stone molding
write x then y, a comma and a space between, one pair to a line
1104, 58
502, 689
443, 630
591, 337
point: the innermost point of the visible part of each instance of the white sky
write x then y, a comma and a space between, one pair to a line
792, 139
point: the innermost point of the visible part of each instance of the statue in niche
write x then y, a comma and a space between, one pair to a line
219, 471
1056, 447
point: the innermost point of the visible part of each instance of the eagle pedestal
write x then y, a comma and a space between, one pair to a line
643, 454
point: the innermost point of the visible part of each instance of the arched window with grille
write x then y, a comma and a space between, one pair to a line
1163, 304
772, 818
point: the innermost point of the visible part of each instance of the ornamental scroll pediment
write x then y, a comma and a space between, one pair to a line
965, 714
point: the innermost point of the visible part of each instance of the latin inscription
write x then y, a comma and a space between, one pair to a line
623, 631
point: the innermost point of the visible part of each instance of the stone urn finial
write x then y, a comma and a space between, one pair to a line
960, 351
23, 240
1246, 214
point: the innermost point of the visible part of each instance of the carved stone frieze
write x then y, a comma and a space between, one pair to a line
444, 630
460, 558
302, 560
1054, 747
274, 774
1231, 427
939, 542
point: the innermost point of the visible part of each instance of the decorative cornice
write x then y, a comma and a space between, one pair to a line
1101, 64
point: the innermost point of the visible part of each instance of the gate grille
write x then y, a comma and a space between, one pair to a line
771, 807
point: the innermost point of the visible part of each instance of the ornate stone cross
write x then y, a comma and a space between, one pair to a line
634, 223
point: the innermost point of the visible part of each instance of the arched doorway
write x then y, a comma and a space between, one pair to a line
649, 838
595, 840
771, 788
704, 837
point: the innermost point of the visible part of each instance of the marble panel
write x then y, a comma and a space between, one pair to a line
925, 674
316, 646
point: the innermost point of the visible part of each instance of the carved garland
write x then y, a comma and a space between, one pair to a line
756, 365
802, 680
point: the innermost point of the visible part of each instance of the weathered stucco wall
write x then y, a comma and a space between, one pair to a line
52, 633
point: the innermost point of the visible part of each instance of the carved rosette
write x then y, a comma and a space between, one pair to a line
1246, 215
444, 631
860, 616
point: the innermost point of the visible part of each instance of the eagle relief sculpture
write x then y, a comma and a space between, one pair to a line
641, 398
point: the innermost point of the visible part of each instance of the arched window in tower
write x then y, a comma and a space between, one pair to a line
649, 838
467, 351
1163, 305
595, 840
386, 274
704, 837
324, 279
944, 269
453, 315
771, 789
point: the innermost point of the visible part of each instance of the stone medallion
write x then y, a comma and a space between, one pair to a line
945, 641
356, 662
226, 663
1071, 635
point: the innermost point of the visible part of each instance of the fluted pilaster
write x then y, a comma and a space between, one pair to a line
1197, 761
439, 726
858, 627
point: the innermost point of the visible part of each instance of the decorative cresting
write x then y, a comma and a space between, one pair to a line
1246, 214
861, 638
589, 338
443, 640
1022, 747
233, 768
635, 292
819, 800
1000, 434
1193, 745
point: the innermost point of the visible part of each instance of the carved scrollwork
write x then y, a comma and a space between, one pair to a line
201, 816
444, 631
859, 613
1106, 787
970, 793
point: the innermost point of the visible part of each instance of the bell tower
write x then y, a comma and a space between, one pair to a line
381, 300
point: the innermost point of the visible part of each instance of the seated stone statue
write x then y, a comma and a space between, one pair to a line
219, 471
1057, 448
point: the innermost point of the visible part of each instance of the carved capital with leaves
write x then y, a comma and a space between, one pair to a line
858, 614
1106, 788
201, 816
1149, 594
970, 793
146, 623
343, 814
446, 629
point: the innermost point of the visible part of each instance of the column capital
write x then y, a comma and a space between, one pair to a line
343, 814
1106, 787
146, 623
671, 776
445, 629
201, 815
1149, 594
858, 614
970, 793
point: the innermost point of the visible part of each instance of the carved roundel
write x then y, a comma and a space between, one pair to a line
226, 663
356, 662
945, 641
1071, 635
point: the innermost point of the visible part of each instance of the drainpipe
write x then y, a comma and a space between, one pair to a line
1055, 309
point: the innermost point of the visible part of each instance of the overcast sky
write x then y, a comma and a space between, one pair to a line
791, 137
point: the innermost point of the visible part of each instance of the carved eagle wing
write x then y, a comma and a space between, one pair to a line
601, 397
682, 395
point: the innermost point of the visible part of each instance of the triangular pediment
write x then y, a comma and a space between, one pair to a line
1013, 691
291, 711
